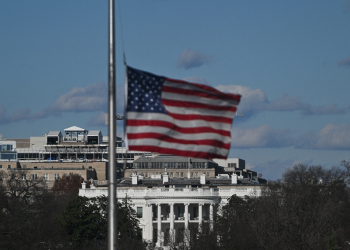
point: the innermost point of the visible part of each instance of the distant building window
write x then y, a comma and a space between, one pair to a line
177, 174
146, 174
46, 176
139, 212
24, 177
171, 174
35, 167
182, 174
57, 176
34, 176
0, 166
8, 166
24, 166
192, 174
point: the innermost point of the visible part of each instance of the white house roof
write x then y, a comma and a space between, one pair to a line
74, 129
54, 133
94, 132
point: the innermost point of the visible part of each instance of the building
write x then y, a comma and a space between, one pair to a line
168, 207
176, 166
77, 150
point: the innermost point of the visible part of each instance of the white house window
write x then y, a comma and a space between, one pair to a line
34, 176
57, 176
46, 176
139, 212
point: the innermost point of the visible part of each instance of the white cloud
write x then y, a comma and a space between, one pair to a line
255, 100
98, 119
332, 136
263, 136
192, 59
91, 98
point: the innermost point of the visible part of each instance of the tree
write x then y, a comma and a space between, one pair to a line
85, 222
298, 211
23, 203
68, 184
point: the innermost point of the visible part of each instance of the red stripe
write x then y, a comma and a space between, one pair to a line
195, 130
194, 92
187, 104
172, 151
204, 87
162, 137
207, 118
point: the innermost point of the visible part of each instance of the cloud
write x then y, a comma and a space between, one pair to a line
255, 100
344, 62
192, 59
263, 136
332, 137
98, 119
91, 98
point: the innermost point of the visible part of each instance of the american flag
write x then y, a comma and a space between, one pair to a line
175, 117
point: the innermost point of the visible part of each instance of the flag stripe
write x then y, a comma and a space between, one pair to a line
195, 105
174, 151
200, 87
169, 126
196, 98
184, 121
193, 116
165, 138
208, 95
180, 146
197, 134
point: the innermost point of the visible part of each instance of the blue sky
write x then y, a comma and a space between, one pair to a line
290, 60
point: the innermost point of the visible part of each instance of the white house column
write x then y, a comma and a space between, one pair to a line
171, 216
200, 216
150, 214
186, 216
172, 231
159, 225
211, 216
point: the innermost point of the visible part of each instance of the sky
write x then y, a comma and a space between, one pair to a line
290, 61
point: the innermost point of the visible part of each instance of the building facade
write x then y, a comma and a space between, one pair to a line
168, 207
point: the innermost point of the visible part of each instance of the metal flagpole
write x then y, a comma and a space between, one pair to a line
112, 188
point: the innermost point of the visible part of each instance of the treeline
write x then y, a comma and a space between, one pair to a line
309, 208
35, 217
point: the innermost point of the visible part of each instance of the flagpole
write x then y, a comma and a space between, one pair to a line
112, 188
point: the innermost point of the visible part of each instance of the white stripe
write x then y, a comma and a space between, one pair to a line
178, 135
185, 147
189, 86
180, 123
198, 99
196, 111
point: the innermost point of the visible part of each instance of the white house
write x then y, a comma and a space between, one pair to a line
168, 206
